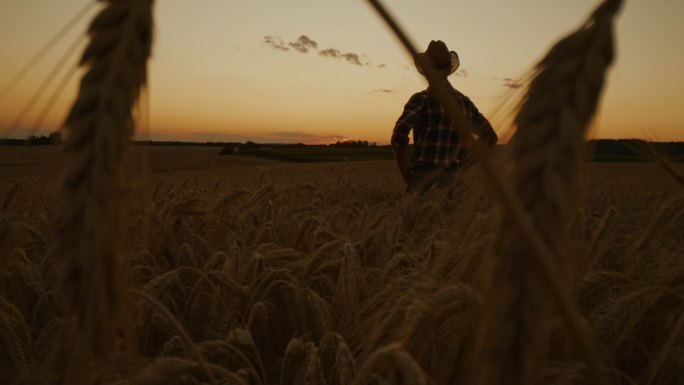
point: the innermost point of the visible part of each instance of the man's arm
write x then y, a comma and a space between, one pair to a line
400, 134
483, 130
487, 135
402, 162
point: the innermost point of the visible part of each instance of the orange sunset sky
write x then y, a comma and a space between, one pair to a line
317, 71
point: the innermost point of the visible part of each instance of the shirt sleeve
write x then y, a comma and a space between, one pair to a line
408, 119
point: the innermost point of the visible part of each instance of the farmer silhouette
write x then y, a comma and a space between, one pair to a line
437, 156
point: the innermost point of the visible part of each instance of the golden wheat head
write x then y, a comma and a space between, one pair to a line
546, 152
98, 127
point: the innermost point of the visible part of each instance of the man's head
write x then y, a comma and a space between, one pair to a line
443, 60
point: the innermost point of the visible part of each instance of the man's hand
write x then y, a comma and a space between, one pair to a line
402, 163
466, 157
467, 161
405, 171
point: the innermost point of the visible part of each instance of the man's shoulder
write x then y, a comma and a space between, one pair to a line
455, 91
421, 94
427, 94
419, 97
463, 97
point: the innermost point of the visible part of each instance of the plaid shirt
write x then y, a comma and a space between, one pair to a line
435, 139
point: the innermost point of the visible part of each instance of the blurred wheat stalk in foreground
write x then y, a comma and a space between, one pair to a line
99, 127
545, 154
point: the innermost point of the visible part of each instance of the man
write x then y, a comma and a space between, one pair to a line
438, 153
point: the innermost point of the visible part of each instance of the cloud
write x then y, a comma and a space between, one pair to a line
275, 42
304, 137
303, 44
352, 58
330, 52
511, 83
198, 136
383, 91
217, 137
239, 137
461, 73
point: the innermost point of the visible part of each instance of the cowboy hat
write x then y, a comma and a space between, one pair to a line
440, 56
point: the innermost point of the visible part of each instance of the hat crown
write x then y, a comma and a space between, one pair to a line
439, 57
439, 53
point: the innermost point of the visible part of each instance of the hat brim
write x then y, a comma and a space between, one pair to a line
455, 63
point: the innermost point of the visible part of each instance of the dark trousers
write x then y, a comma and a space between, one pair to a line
426, 176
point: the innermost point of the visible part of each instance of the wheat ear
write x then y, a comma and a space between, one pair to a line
98, 128
546, 153
539, 251
391, 365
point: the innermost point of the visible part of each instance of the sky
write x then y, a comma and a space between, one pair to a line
318, 71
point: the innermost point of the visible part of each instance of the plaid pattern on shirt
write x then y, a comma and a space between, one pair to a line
435, 139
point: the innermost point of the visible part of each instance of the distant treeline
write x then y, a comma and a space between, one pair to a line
56, 138
616, 150
34, 140
604, 150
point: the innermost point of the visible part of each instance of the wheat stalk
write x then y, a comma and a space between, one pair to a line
295, 362
546, 152
99, 126
13, 337
336, 359
391, 365
656, 366
517, 214
438, 329
181, 331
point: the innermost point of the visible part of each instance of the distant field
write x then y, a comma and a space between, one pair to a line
320, 154
44, 163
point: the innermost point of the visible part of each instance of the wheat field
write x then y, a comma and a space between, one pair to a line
537, 268
332, 278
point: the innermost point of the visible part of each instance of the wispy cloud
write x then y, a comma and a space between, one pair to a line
217, 137
198, 136
352, 58
383, 91
275, 42
461, 73
330, 52
258, 137
305, 137
511, 83
303, 44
